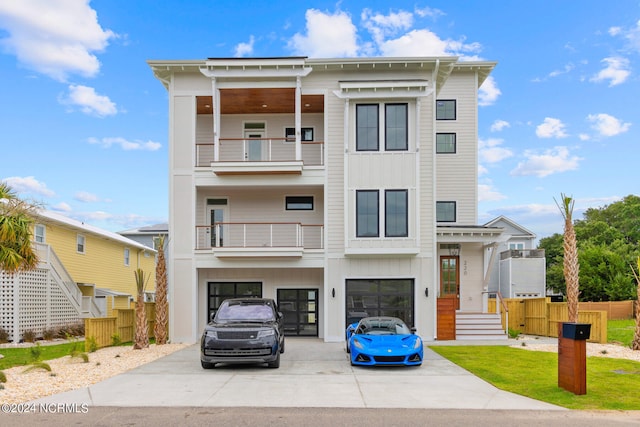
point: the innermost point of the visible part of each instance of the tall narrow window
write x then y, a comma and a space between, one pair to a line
38, 231
445, 143
367, 127
446, 109
396, 127
395, 215
445, 211
80, 243
367, 212
126, 256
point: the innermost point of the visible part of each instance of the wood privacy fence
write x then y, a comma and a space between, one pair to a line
122, 324
539, 316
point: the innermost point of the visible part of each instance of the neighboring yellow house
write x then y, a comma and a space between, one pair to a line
94, 257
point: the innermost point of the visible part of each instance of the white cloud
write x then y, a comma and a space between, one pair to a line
429, 12
489, 150
584, 137
126, 144
245, 49
383, 26
551, 161
28, 184
607, 125
488, 92
62, 207
551, 128
89, 101
426, 43
616, 71
486, 193
83, 196
327, 36
54, 37
499, 125
567, 68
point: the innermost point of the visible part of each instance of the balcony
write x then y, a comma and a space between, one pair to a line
522, 253
259, 155
257, 239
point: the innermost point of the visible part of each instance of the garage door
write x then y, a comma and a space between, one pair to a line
300, 310
380, 297
220, 291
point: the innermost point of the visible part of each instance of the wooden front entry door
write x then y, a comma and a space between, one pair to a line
450, 278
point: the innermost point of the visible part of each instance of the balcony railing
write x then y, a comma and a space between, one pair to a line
522, 253
260, 235
259, 150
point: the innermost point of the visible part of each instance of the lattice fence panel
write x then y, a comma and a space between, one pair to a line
32, 301
6, 302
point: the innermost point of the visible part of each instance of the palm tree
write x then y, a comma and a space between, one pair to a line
635, 345
162, 307
571, 267
141, 338
16, 220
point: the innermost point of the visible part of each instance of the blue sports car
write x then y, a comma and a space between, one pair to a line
383, 341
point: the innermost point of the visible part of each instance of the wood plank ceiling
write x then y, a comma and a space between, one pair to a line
260, 101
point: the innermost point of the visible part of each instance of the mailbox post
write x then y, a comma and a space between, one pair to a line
572, 356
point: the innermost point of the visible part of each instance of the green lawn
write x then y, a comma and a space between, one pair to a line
23, 355
621, 331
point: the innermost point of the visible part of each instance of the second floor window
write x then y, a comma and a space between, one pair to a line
39, 232
126, 257
396, 213
446, 109
445, 211
395, 130
367, 209
445, 143
80, 243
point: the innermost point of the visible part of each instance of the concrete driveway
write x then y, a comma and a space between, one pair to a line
312, 373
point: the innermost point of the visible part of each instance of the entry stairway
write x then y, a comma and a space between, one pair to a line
479, 326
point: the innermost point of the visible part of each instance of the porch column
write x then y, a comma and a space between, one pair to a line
298, 115
215, 103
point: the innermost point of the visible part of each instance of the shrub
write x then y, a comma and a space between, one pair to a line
92, 344
35, 352
514, 333
49, 334
3, 377
115, 340
38, 365
29, 336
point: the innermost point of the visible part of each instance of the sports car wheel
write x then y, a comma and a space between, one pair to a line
207, 365
347, 347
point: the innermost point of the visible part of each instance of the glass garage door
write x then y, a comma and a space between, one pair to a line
220, 291
379, 297
300, 310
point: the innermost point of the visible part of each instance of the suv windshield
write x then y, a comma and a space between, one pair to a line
244, 312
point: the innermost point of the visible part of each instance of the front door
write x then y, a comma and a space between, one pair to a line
300, 310
254, 147
450, 278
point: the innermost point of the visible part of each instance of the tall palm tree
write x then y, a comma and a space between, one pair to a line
141, 337
636, 336
162, 307
16, 220
571, 267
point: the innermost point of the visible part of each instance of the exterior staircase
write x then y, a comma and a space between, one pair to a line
479, 326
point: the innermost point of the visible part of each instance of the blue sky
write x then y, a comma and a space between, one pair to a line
84, 122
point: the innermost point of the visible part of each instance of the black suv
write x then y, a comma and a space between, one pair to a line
244, 330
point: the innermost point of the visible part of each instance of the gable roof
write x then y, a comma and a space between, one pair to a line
80, 226
512, 224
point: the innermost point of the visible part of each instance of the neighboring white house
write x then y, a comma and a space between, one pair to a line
334, 186
519, 270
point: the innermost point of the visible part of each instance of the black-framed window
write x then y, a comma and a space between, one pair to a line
380, 297
367, 213
445, 143
445, 211
367, 132
299, 203
306, 134
396, 125
396, 213
445, 109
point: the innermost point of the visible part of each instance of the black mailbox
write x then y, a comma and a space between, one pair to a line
576, 331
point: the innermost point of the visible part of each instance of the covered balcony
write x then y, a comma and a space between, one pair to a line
259, 239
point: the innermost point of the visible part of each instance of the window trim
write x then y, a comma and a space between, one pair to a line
406, 213
455, 109
455, 210
406, 126
81, 244
377, 213
377, 144
39, 237
290, 200
455, 143
127, 257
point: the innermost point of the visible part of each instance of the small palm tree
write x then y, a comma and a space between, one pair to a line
635, 345
141, 338
571, 266
16, 220
162, 307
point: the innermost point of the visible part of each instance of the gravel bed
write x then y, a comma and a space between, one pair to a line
616, 351
69, 373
